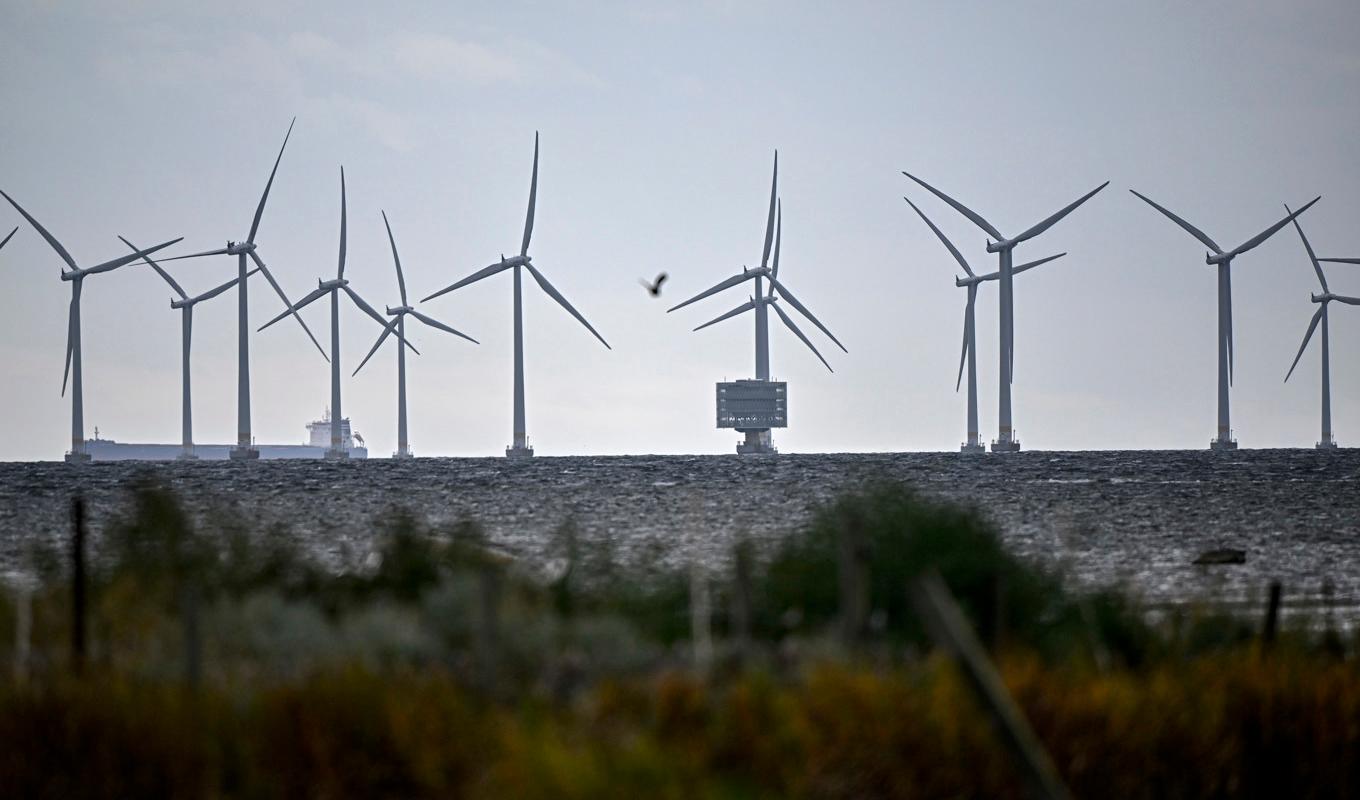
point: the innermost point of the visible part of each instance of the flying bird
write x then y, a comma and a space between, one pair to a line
654, 288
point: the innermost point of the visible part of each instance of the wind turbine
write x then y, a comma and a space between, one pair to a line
398, 325
1006, 441
245, 448
186, 304
520, 447
759, 440
1223, 260
1327, 442
969, 354
77, 276
334, 288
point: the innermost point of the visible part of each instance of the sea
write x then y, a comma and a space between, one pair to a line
1133, 519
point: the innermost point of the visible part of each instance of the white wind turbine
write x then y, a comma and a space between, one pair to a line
969, 354
1328, 441
186, 304
77, 276
334, 288
245, 447
1223, 260
760, 302
398, 326
520, 447
1006, 441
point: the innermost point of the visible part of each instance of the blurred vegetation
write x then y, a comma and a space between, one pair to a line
226, 662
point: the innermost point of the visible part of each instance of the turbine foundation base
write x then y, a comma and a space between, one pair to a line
524, 451
757, 443
78, 458
974, 447
337, 455
403, 455
1223, 444
1007, 446
244, 454
186, 457
1326, 445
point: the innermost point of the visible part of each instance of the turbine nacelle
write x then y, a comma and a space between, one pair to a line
240, 248
516, 261
1322, 298
999, 245
338, 283
1214, 259
392, 312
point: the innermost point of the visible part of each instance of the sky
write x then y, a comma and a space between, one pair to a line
659, 121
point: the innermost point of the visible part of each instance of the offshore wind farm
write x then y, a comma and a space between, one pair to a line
636, 534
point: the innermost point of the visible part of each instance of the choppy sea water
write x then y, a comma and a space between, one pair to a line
1135, 518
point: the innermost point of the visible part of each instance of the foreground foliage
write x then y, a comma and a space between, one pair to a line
221, 663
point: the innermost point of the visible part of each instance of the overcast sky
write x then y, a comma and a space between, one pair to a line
658, 122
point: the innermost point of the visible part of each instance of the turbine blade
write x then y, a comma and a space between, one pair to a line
724, 284
1190, 229
340, 273
109, 266
1312, 257
301, 304
222, 251
434, 323
386, 332
401, 280
211, 293
954, 251
10, 236
788, 322
533, 199
279, 291
769, 219
173, 284
70, 337
259, 210
1312, 326
1033, 264
51, 240
744, 307
1227, 315
484, 272
1341, 260
778, 234
364, 306
785, 294
562, 301
1053, 220
967, 327
959, 207
1269, 232
1350, 301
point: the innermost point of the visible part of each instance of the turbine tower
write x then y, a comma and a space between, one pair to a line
762, 392
245, 448
1223, 260
1006, 441
334, 288
520, 447
76, 276
1327, 442
398, 325
186, 304
969, 354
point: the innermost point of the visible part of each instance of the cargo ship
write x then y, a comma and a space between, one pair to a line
318, 442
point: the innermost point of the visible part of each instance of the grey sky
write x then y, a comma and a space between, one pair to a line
154, 121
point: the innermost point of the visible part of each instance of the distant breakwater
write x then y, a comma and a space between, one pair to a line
1138, 518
